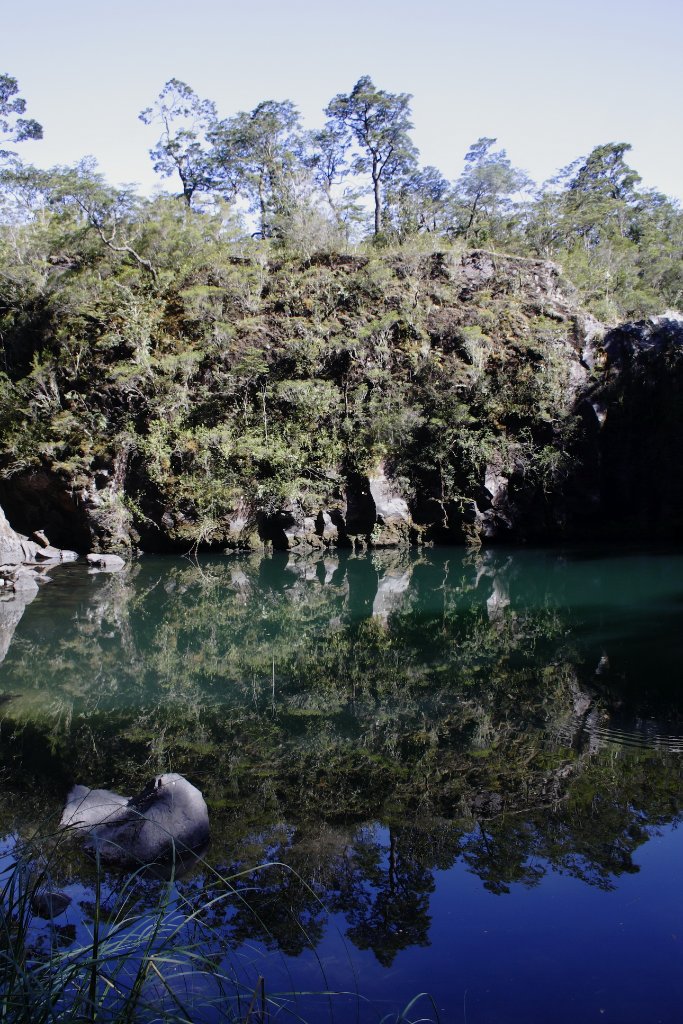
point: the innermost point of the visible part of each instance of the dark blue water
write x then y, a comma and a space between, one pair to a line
468, 766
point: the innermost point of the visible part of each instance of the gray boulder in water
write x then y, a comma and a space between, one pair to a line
168, 818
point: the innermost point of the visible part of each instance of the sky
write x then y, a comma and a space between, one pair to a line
549, 80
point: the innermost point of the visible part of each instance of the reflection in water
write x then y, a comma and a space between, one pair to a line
11, 610
368, 723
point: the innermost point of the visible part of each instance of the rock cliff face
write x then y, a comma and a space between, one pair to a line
14, 549
18, 585
23, 566
633, 452
356, 402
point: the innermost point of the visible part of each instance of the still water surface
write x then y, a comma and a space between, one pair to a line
469, 766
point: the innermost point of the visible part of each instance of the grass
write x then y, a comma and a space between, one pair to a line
131, 963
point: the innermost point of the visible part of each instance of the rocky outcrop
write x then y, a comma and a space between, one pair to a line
395, 398
23, 561
37, 500
14, 548
377, 515
372, 513
24, 565
290, 529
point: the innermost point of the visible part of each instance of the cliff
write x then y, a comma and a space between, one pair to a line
341, 400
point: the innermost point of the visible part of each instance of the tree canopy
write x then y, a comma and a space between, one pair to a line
379, 124
358, 178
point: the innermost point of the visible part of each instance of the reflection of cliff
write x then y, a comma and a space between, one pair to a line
392, 657
462, 701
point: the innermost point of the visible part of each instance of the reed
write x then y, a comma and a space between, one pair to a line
162, 964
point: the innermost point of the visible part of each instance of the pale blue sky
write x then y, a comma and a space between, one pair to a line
549, 80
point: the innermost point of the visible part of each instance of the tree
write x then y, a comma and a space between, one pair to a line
262, 151
329, 164
604, 172
183, 148
418, 203
484, 191
109, 212
379, 123
14, 127
600, 192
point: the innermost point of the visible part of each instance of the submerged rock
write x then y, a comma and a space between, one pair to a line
169, 816
108, 563
50, 903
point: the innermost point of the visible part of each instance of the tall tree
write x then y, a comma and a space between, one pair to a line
378, 122
262, 151
604, 171
14, 127
183, 147
328, 161
601, 191
111, 213
484, 191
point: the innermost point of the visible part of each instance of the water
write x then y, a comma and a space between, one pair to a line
469, 766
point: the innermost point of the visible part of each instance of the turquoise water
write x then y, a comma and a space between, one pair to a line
469, 767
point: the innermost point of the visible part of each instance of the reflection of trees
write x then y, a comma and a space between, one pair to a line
453, 716
384, 894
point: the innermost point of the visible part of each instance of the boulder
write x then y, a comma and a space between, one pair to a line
168, 816
14, 549
393, 524
329, 526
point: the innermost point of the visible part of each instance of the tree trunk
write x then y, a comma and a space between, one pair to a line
377, 195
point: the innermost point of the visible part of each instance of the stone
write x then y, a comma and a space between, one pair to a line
327, 528
17, 551
14, 549
50, 553
168, 816
107, 563
290, 529
25, 582
393, 523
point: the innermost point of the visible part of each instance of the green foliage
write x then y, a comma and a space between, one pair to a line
14, 127
182, 149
